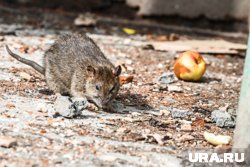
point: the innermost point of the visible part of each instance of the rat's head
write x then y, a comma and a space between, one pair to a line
102, 85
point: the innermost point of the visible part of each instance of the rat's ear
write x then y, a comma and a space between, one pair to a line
117, 71
91, 71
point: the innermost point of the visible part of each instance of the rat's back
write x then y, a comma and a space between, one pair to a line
74, 49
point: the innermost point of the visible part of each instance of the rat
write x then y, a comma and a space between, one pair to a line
74, 65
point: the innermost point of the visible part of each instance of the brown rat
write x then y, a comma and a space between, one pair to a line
74, 65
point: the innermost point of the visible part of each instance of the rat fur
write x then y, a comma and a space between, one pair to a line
74, 65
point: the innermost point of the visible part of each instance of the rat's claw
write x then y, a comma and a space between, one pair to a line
92, 107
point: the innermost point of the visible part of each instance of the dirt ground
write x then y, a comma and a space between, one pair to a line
147, 130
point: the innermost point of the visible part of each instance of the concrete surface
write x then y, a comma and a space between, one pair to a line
212, 9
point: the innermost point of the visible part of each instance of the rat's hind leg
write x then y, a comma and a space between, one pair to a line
56, 85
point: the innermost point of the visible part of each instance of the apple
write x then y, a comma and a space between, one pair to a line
189, 66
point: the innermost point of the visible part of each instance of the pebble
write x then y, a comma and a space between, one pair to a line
186, 127
156, 90
169, 100
173, 88
223, 119
164, 112
25, 76
41, 107
7, 142
179, 113
159, 138
85, 20
165, 78
123, 130
70, 107
186, 137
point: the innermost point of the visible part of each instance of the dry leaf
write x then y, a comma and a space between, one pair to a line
9, 105
199, 123
43, 131
129, 31
123, 79
24, 49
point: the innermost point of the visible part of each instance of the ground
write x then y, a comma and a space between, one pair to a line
144, 132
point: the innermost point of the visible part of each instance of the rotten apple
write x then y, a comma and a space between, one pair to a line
189, 66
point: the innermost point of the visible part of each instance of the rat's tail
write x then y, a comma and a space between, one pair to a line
33, 64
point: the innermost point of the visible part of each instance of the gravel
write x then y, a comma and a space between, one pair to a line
223, 119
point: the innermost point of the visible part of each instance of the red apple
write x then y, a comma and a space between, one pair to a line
190, 66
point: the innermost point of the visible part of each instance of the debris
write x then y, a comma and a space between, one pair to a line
186, 127
70, 107
171, 37
156, 90
123, 79
159, 139
7, 141
24, 49
178, 113
41, 107
86, 19
129, 31
174, 88
157, 123
164, 112
169, 100
25, 76
123, 130
165, 79
43, 131
10, 105
199, 123
217, 139
2, 38
201, 46
155, 138
185, 137
223, 119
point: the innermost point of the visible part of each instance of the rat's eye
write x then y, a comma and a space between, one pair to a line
98, 87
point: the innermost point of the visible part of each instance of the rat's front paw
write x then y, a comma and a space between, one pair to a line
92, 107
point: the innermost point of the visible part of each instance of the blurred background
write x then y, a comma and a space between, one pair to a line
192, 17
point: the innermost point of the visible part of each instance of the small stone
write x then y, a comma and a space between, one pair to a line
207, 120
7, 141
2, 38
165, 79
173, 88
223, 119
85, 20
70, 107
41, 107
169, 100
186, 127
186, 137
123, 130
129, 62
156, 90
164, 112
178, 113
159, 139
25, 76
